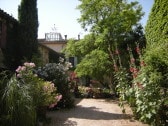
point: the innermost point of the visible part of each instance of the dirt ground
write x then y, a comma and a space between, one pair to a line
93, 112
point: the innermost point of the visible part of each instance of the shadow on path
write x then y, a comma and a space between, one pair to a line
62, 117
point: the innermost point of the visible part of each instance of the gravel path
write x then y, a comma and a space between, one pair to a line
93, 112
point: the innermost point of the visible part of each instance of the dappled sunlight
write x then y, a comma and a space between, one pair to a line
89, 111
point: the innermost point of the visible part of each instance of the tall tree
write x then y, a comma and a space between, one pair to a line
109, 23
157, 24
28, 20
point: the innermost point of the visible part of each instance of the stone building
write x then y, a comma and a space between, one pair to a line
7, 27
50, 47
54, 41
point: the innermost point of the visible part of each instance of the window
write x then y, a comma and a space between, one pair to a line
71, 60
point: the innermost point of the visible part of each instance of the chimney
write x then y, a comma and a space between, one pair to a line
78, 37
65, 37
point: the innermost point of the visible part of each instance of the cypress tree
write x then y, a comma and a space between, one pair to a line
156, 69
157, 24
28, 20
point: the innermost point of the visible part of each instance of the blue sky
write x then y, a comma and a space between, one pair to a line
63, 14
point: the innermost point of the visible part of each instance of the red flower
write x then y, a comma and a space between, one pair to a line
138, 50
139, 85
142, 63
115, 67
135, 70
134, 75
128, 48
131, 69
117, 52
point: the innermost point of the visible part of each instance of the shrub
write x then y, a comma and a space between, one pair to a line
57, 73
24, 94
151, 98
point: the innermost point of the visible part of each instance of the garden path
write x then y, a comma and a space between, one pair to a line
93, 112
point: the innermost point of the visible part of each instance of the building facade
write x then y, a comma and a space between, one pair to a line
54, 41
8, 26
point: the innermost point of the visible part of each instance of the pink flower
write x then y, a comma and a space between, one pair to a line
26, 64
115, 67
134, 75
58, 98
132, 60
117, 52
52, 85
139, 85
18, 69
29, 64
131, 69
45, 88
138, 50
135, 70
19, 75
142, 63
52, 105
23, 68
128, 48
32, 64
35, 75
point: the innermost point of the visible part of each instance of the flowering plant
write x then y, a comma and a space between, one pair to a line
44, 93
58, 74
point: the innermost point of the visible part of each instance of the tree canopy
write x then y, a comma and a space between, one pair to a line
157, 24
109, 22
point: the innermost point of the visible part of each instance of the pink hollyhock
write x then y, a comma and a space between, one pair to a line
138, 50
134, 75
142, 63
117, 52
132, 60
135, 70
139, 85
128, 48
115, 67
131, 69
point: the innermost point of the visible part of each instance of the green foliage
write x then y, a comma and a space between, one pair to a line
37, 59
157, 25
149, 90
154, 75
117, 16
94, 64
80, 48
93, 92
123, 87
28, 28
147, 95
154, 79
19, 104
149, 99
109, 22
24, 93
4, 78
57, 73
